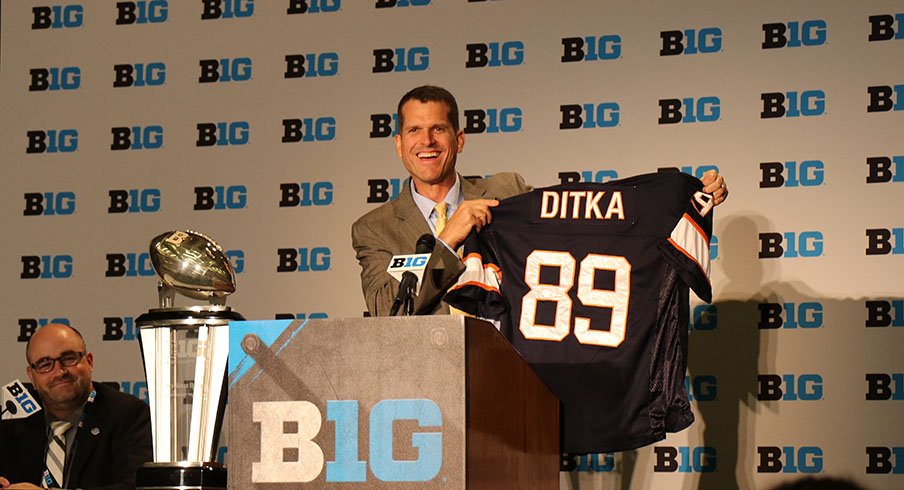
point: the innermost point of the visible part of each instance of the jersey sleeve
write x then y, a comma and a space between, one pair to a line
687, 247
477, 291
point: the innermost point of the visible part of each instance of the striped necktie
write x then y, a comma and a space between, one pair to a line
56, 451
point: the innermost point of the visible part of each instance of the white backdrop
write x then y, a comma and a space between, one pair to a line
812, 237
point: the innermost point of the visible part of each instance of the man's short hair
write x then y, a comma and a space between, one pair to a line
431, 93
28, 343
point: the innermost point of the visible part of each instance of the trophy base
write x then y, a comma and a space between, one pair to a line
182, 475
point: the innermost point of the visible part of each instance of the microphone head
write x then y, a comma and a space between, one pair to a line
425, 243
11, 407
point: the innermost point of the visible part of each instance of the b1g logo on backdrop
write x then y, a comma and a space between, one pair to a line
808, 314
134, 201
237, 260
28, 326
685, 459
55, 78
794, 34
383, 190
689, 110
882, 460
384, 4
138, 389
57, 16
49, 203
789, 387
401, 59
885, 169
225, 133
312, 65
226, 9
791, 245
384, 125
137, 138
52, 141
884, 386
591, 48
307, 461
139, 75
597, 176
884, 241
691, 41
313, 6
118, 328
142, 12
884, 98
597, 463
882, 313
494, 54
886, 27
130, 264
304, 259
789, 459
492, 120
304, 194
807, 173
46, 267
701, 388
220, 197
807, 103
589, 115
309, 129
704, 318
225, 70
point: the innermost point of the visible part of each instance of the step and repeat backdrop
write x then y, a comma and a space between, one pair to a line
268, 125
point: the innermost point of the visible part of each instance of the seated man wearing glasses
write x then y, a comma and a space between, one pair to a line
88, 435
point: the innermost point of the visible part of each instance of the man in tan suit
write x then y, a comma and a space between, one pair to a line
428, 143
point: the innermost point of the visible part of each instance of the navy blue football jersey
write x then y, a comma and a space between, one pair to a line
590, 284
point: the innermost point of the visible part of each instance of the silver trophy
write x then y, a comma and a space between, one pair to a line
185, 355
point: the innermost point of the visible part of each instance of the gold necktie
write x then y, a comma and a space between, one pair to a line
441, 208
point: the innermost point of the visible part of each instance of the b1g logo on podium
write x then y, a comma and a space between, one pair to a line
289, 454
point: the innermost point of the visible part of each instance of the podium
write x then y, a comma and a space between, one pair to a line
413, 402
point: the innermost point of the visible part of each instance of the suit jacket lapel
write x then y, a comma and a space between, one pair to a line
471, 191
31, 443
86, 438
410, 220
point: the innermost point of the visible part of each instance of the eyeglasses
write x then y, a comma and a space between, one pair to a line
68, 359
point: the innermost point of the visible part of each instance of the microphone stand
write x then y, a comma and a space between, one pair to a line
409, 299
405, 296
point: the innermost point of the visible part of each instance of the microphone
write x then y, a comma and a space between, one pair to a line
411, 268
10, 408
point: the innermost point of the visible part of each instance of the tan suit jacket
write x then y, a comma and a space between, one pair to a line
393, 229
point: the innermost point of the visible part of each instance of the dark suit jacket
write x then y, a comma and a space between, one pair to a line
393, 229
114, 441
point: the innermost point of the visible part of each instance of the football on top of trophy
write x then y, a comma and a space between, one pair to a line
192, 264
